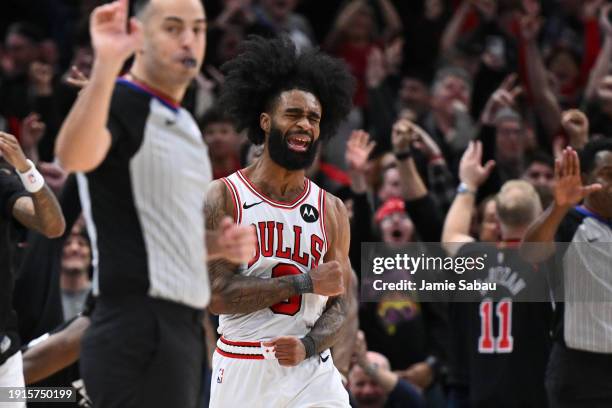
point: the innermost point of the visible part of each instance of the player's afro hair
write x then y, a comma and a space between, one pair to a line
267, 67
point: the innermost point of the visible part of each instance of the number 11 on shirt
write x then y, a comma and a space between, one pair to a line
504, 341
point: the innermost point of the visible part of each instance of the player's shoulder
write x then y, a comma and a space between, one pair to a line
334, 207
218, 203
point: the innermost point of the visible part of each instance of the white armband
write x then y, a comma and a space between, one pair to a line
32, 180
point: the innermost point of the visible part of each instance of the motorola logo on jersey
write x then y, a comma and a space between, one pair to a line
309, 213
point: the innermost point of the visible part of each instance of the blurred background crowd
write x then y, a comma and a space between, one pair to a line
525, 77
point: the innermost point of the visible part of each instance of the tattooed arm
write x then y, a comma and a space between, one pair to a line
342, 351
40, 212
329, 328
235, 293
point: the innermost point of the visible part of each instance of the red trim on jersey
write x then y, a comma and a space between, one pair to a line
234, 199
242, 356
322, 217
237, 199
240, 343
274, 203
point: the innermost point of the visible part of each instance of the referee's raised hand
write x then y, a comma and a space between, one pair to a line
569, 189
111, 40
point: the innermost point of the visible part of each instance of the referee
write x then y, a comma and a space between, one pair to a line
143, 172
579, 370
25, 202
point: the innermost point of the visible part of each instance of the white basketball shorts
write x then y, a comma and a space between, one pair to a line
247, 374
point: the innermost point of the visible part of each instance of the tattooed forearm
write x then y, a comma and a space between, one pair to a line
41, 212
342, 350
327, 330
234, 293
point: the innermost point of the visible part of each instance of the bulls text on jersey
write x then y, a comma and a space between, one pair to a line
275, 239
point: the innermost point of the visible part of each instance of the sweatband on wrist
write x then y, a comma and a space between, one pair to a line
32, 180
309, 346
303, 283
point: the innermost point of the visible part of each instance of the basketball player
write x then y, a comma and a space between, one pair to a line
283, 311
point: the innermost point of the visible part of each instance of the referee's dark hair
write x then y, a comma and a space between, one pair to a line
589, 153
267, 67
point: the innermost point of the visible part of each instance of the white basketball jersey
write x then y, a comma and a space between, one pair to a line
291, 240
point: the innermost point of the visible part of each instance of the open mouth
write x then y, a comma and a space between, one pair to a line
397, 234
299, 142
189, 62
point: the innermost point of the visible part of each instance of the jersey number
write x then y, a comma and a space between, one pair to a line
504, 341
292, 305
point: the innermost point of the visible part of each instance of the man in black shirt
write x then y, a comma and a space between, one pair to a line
25, 203
502, 332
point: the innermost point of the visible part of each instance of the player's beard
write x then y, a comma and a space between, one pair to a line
282, 155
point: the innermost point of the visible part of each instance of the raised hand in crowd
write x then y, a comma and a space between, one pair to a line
358, 150
360, 350
602, 64
504, 97
419, 374
407, 135
424, 143
403, 134
393, 55
576, 126
32, 130
376, 71
590, 8
604, 90
11, 151
531, 7
41, 77
235, 11
530, 25
471, 170
486, 8
76, 78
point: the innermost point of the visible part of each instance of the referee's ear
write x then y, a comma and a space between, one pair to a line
265, 122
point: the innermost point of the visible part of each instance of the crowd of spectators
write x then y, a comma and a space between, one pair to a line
517, 81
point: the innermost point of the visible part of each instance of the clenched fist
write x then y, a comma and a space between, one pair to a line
576, 127
289, 350
236, 242
327, 279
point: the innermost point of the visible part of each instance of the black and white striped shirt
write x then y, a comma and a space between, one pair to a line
144, 203
585, 320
